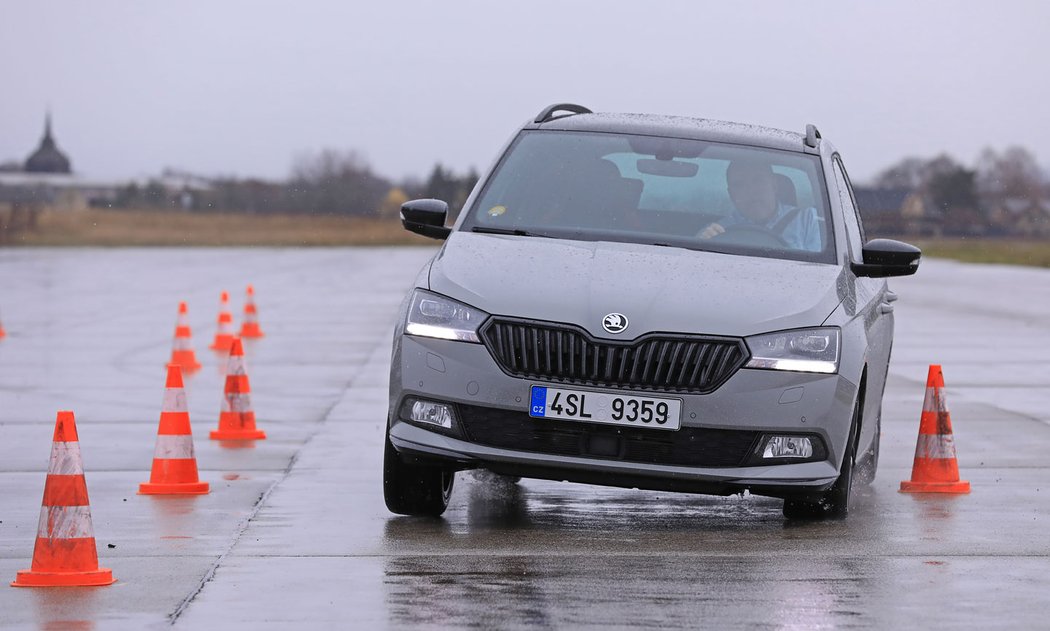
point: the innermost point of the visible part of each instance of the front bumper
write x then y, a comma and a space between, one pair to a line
755, 400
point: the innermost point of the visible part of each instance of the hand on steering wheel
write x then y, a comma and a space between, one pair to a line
711, 231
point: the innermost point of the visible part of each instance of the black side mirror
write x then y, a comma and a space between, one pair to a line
886, 257
426, 217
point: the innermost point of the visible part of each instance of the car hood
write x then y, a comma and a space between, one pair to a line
658, 288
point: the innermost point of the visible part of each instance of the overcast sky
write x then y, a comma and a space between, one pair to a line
242, 88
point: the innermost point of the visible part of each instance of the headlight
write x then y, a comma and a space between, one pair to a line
802, 350
432, 315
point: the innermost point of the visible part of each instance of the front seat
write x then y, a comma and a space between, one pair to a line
785, 190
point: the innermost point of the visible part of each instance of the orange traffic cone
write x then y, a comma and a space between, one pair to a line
224, 334
65, 552
237, 420
181, 348
936, 469
250, 326
174, 463
3, 333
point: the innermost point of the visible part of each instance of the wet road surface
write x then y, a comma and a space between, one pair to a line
295, 531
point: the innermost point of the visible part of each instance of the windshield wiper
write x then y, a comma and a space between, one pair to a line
515, 231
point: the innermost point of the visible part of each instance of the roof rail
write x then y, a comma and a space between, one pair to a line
548, 112
812, 136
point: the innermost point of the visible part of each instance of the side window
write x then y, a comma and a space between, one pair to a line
854, 231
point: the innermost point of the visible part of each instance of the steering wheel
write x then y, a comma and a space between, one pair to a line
750, 234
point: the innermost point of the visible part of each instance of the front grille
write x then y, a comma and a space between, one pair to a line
689, 446
556, 352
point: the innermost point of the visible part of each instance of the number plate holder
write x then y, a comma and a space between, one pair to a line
602, 406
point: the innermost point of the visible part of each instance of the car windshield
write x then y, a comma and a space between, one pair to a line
664, 191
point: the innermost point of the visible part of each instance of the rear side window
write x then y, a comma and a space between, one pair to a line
620, 187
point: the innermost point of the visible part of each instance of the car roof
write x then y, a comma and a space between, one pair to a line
678, 127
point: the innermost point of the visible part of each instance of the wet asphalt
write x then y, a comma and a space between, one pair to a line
294, 531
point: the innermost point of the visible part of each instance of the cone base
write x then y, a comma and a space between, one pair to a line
176, 488
960, 487
232, 434
99, 577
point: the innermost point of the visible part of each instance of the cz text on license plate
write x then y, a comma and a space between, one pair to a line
605, 407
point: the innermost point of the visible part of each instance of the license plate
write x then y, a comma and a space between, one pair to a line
605, 407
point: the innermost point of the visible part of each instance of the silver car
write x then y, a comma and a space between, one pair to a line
647, 302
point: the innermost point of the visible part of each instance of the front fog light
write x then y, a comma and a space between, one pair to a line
432, 413
788, 447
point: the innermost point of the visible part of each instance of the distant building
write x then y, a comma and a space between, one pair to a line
48, 158
46, 180
1021, 216
880, 208
897, 211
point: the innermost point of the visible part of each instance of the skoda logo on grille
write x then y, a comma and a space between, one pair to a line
615, 323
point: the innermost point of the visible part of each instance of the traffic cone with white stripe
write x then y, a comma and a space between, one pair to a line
181, 347
237, 420
65, 552
250, 326
174, 469
936, 469
3, 333
224, 334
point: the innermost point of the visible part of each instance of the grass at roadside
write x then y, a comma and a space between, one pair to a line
97, 227
1031, 252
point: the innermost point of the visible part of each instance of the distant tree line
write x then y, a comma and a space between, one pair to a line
327, 182
1005, 192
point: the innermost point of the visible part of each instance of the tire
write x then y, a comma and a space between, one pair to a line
420, 490
835, 501
866, 470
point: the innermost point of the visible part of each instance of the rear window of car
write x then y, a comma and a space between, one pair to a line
666, 191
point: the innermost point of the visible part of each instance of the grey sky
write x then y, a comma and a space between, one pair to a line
243, 87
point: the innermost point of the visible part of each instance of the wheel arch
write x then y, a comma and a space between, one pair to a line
862, 398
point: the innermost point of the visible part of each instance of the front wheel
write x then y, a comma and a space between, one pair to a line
835, 501
410, 489
869, 466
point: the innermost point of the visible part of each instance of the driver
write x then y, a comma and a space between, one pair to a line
753, 191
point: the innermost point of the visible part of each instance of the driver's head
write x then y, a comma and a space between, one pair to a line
752, 189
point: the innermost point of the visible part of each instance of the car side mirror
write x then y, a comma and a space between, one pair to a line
886, 257
426, 217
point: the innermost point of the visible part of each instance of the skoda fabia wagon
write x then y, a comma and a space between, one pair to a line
647, 302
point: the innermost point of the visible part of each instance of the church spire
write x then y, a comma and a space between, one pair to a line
48, 158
